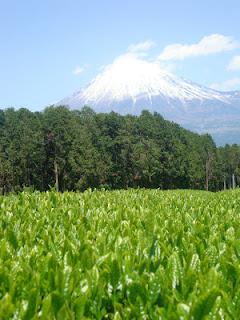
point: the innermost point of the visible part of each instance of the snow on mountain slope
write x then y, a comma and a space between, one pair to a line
131, 84
131, 77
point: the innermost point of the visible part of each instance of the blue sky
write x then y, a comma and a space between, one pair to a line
50, 48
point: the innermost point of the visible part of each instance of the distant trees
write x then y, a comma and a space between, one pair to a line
229, 165
75, 150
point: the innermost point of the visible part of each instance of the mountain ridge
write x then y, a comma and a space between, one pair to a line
130, 85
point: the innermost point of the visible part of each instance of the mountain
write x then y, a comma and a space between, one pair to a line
131, 84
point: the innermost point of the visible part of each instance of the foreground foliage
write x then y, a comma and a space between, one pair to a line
137, 254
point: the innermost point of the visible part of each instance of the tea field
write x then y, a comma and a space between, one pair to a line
135, 254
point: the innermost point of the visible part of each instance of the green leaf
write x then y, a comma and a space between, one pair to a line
12, 238
136, 290
114, 273
204, 304
57, 302
32, 302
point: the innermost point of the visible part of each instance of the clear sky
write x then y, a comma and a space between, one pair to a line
50, 48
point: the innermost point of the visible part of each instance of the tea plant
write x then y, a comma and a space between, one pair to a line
136, 254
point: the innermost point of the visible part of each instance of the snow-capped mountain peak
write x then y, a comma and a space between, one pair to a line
131, 84
131, 77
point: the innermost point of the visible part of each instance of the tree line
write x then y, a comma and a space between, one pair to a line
76, 150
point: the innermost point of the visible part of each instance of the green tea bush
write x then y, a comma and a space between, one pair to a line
136, 254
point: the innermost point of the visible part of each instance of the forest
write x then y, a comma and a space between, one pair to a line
76, 150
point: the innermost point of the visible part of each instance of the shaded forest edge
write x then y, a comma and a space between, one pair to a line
76, 150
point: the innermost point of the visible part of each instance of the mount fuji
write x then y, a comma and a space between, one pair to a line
131, 84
